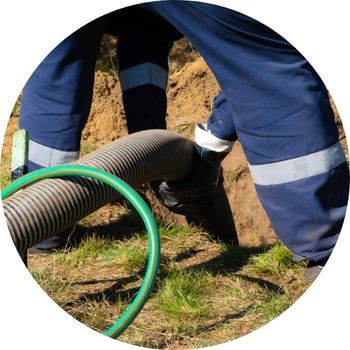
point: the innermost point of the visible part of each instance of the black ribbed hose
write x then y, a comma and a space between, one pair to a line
51, 206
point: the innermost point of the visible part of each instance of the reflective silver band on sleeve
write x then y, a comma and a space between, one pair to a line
204, 138
46, 156
298, 168
142, 74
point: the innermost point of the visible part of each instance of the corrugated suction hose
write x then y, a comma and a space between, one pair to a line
50, 206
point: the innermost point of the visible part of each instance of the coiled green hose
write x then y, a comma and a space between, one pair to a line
137, 202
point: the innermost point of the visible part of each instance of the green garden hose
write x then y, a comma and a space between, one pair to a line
137, 202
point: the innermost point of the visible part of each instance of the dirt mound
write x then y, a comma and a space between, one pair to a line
190, 94
107, 118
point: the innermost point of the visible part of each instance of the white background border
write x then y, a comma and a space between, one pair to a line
30, 29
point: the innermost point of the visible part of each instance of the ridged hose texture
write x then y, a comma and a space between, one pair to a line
51, 206
140, 206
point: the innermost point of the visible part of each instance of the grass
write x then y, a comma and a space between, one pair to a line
275, 261
87, 148
16, 107
54, 285
108, 65
4, 179
206, 293
232, 176
97, 314
271, 307
129, 256
181, 294
91, 248
185, 128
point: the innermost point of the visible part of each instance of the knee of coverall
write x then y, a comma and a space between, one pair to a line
57, 97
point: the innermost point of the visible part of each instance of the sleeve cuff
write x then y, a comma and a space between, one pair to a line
209, 146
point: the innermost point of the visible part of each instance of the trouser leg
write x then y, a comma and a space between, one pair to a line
56, 102
283, 119
57, 98
143, 75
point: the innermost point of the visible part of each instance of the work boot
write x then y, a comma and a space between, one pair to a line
198, 196
313, 269
58, 241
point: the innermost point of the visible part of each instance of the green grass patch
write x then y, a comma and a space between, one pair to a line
272, 307
275, 261
185, 128
90, 248
128, 256
5, 180
179, 235
182, 294
236, 255
87, 148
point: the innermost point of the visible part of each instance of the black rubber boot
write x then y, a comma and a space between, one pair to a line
59, 241
313, 269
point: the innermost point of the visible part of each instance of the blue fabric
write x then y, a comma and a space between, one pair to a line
56, 99
279, 104
33, 166
308, 214
221, 122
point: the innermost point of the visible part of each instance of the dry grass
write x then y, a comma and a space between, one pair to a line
206, 293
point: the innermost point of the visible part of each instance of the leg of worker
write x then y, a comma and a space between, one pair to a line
201, 195
143, 75
283, 119
56, 102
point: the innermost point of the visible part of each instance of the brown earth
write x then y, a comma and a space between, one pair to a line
190, 94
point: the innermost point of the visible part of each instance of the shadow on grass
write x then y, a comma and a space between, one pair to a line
111, 294
187, 253
125, 227
224, 319
229, 262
